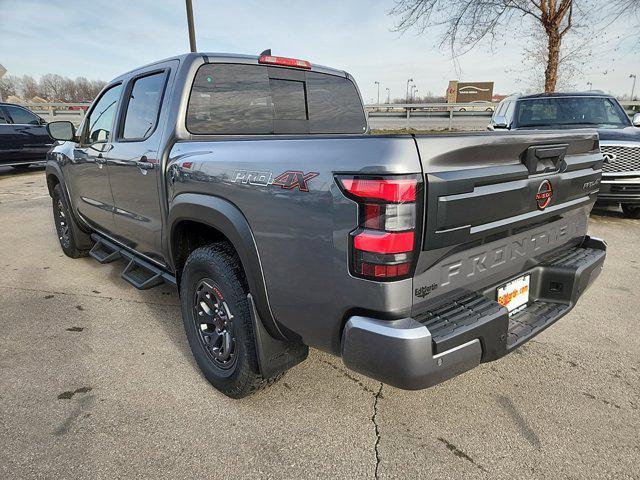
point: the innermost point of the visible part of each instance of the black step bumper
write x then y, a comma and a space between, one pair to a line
415, 353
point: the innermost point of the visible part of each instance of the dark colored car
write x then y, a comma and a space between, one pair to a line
252, 184
24, 138
619, 136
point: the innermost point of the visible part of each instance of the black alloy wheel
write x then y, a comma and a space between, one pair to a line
214, 324
62, 226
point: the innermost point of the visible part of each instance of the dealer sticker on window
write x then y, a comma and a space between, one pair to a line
515, 294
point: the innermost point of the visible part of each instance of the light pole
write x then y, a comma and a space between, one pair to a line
590, 85
408, 82
192, 30
378, 84
633, 87
415, 95
388, 95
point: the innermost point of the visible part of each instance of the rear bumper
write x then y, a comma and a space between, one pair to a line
620, 190
415, 353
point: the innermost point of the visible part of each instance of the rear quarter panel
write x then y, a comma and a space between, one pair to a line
301, 236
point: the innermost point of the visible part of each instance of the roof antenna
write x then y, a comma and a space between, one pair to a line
266, 52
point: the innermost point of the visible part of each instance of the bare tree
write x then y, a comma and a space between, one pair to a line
9, 85
52, 87
466, 23
29, 87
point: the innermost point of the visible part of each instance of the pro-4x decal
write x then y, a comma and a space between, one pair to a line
294, 179
288, 180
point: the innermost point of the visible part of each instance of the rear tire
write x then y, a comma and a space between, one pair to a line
631, 211
217, 321
66, 227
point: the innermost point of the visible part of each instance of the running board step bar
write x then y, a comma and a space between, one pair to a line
139, 272
103, 252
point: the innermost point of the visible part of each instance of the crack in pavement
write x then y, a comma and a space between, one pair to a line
376, 397
346, 374
104, 297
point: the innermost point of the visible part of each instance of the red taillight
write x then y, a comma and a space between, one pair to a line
391, 190
382, 246
383, 242
284, 61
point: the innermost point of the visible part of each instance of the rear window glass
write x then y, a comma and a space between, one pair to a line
289, 99
243, 99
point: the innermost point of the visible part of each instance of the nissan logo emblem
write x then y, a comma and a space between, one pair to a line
544, 194
609, 157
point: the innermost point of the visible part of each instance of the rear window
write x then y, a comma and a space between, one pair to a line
228, 99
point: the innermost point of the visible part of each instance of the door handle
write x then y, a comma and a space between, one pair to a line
143, 164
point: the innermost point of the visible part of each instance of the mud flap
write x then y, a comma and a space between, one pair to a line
274, 356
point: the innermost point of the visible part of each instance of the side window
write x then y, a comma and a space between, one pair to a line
2, 117
143, 107
613, 114
508, 114
22, 116
99, 123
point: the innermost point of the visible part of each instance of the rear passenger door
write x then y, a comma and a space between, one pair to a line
135, 168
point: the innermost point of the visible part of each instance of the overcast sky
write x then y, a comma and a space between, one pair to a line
101, 39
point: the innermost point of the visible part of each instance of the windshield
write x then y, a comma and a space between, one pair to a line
544, 112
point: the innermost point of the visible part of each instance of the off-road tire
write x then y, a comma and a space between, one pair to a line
66, 227
218, 264
631, 211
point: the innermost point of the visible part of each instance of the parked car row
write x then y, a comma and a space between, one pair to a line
619, 136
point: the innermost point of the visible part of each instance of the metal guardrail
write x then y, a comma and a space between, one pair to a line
427, 110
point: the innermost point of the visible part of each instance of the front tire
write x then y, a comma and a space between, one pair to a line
66, 227
631, 211
217, 320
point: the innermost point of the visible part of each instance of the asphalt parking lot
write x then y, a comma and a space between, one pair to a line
97, 381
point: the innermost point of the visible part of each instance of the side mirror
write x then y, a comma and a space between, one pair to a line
64, 131
500, 122
636, 120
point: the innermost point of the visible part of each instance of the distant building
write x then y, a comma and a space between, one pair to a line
463, 92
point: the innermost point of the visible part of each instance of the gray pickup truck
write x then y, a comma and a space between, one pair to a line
253, 185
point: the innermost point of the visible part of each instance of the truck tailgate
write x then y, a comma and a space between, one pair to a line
495, 201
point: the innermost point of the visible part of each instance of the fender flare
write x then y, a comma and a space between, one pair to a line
225, 217
82, 238
53, 169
